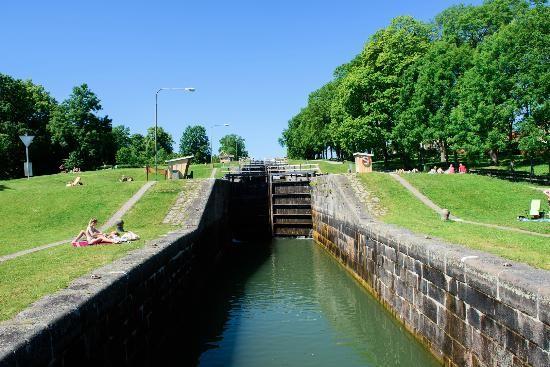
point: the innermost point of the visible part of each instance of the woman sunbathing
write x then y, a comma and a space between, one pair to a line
93, 235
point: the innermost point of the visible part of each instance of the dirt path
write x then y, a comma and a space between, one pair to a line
213, 173
111, 222
438, 210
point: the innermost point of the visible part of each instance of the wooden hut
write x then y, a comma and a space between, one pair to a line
363, 162
177, 167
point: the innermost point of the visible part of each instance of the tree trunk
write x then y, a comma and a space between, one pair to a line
494, 156
385, 153
443, 155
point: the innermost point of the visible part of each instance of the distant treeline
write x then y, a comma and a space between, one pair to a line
73, 133
474, 82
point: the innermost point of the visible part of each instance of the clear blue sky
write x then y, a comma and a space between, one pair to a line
253, 62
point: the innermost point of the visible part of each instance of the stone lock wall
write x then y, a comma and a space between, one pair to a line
469, 308
123, 314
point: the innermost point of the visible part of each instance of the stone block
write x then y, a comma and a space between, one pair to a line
455, 305
537, 357
435, 276
519, 288
437, 294
428, 307
476, 299
533, 330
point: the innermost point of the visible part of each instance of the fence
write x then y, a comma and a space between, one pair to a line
515, 176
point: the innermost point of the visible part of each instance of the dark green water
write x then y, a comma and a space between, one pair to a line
294, 305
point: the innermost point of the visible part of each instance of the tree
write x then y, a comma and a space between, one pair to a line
368, 93
468, 24
508, 86
233, 144
428, 97
134, 153
25, 108
194, 141
121, 136
78, 130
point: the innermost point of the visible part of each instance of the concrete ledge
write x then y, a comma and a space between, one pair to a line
103, 320
470, 308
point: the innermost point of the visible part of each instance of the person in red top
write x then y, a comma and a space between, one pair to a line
462, 168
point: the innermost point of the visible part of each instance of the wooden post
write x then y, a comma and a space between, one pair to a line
147, 172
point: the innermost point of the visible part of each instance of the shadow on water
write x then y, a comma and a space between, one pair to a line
210, 310
287, 302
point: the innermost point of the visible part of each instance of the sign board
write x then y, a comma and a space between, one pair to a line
26, 139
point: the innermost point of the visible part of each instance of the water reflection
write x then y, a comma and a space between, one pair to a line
295, 306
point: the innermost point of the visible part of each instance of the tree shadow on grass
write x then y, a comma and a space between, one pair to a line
4, 187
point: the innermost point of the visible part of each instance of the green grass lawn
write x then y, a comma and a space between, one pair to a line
327, 166
482, 199
540, 169
405, 210
202, 170
28, 278
43, 210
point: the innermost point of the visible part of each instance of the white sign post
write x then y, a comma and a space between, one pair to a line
27, 140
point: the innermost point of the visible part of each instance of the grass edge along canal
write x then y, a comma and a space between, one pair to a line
401, 208
28, 278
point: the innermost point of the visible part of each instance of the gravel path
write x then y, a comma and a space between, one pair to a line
438, 209
179, 212
213, 173
111, 222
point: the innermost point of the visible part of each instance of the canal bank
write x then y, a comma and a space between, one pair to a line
145, 309
125, 313
469, 308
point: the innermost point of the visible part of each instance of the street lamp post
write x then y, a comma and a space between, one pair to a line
188, 89
211, 136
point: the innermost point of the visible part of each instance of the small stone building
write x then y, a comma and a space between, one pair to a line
177, 167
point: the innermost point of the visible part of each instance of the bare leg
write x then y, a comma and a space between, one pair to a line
105, 239
80, 235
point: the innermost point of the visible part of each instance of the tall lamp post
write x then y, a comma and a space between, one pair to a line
188, 89
211, 136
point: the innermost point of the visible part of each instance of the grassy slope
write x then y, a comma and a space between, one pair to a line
42, 210
482, 199
30, 277
326, 166
204, 171
404, 210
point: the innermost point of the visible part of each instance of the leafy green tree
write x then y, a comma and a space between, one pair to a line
369, 92
468, 24
121, 136
233, 144
76, 127
194, 141
25, 108
507, 87
164, 140
429, 95
133, 153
